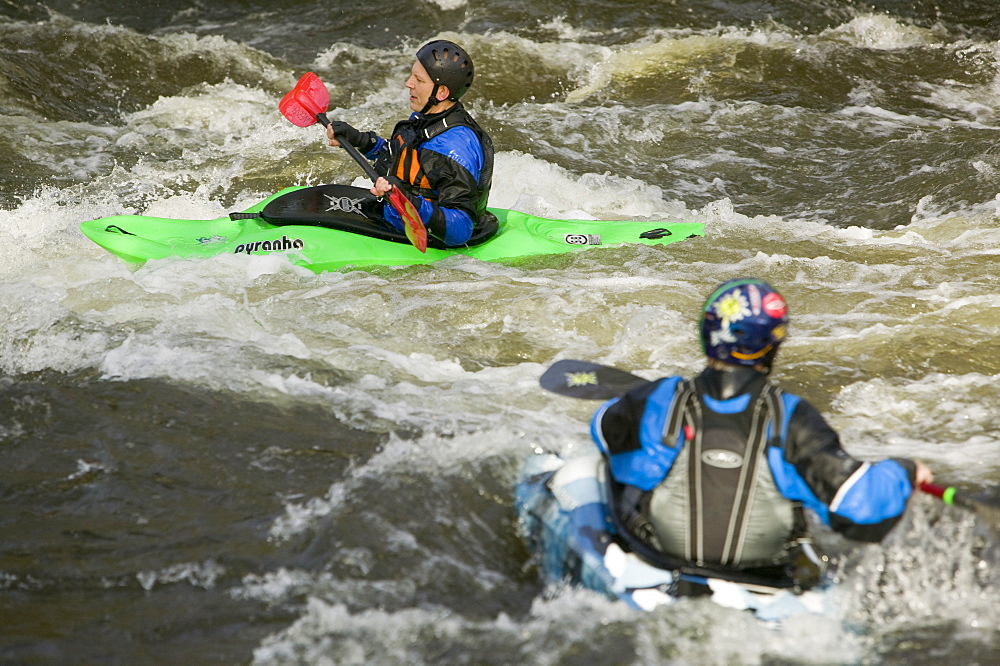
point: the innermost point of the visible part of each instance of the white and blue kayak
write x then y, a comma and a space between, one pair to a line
562, 508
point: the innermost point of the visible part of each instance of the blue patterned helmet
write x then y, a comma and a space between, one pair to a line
743, 322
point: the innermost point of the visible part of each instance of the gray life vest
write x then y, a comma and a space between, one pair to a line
719, 504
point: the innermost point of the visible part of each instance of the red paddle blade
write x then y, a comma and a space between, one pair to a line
308, 98
295, 112
416, 232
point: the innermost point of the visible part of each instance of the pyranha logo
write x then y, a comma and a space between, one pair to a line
345, 204
270, 246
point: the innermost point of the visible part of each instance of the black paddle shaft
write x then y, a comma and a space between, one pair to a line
351, 150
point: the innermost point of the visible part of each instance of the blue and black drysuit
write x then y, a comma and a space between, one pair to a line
715, 471
445, 164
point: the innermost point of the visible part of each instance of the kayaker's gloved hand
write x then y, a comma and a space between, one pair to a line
384, 184
363, 141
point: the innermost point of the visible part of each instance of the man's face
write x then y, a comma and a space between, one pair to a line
420, 86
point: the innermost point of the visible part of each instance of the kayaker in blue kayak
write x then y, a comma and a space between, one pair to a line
715, 470
439, 157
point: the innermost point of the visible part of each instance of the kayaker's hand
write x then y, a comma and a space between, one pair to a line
381, 187
923, 473
331, 136
363, 141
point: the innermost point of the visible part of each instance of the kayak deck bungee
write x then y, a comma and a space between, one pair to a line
563, 515
334, 238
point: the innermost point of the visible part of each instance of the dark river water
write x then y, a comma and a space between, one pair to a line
237, 460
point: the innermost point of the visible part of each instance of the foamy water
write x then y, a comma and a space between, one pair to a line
319, 468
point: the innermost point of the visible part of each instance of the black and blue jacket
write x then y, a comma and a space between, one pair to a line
708, 470
444, 162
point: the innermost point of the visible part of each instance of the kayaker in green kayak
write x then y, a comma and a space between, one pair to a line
440, 158
715, 470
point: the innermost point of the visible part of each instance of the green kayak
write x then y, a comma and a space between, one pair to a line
322, 229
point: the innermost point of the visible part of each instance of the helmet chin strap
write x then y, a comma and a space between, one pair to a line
768, 360
432, 100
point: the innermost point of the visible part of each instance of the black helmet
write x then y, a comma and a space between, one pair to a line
448, 64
